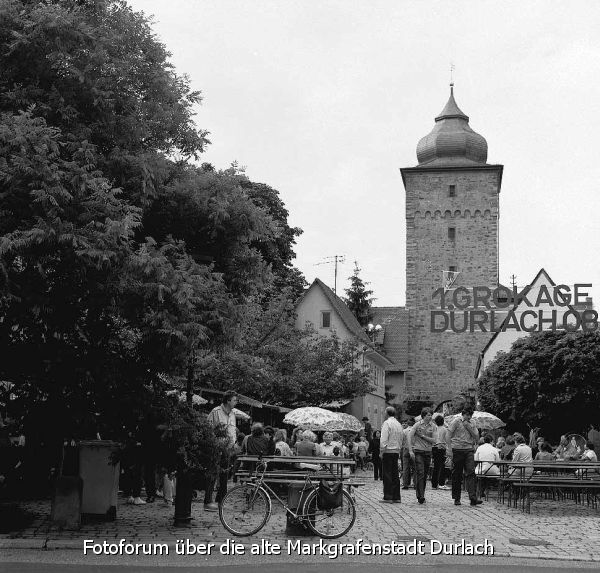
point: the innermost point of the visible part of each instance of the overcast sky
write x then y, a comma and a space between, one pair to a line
326, 100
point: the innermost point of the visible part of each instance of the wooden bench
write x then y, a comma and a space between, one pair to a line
298, 475
561, 478
520, 490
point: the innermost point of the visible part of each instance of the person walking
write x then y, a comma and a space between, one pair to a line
222, 414
374, 450
462, 438
421, 438
438, 455
408, 464
392, 442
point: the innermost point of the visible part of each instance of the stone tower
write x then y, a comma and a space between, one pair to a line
451, 225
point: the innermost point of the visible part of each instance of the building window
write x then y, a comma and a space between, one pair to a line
325, 319
451, 190
452, 233
451, 364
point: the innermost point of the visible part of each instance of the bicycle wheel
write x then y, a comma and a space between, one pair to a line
245, 509
329, 523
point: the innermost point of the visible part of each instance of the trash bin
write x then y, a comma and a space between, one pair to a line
100, 478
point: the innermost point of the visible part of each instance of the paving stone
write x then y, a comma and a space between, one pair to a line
563, 529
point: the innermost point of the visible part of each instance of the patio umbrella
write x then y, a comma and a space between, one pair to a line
482, 420
311, 418
347, 423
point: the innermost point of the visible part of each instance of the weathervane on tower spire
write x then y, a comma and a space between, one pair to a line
451, 77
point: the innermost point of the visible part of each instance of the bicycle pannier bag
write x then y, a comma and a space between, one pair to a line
330, 495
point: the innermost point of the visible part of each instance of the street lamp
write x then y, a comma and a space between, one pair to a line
373, 331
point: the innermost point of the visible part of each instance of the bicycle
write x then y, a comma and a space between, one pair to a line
246, 508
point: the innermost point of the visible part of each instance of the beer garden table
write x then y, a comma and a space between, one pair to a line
560, 479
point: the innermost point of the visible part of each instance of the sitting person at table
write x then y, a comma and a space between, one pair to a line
281, 445
487, 454
589, 455
566, 450
258, 443
545, 454
305, 446
327, 447
506, 452
522, 454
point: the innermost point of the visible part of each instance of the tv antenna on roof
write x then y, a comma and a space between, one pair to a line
335, 260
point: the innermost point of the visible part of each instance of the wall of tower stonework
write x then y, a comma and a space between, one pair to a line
431, 211
440, 365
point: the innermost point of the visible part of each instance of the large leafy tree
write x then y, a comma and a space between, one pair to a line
97, 71
94, 123
548, 380
358, 297
120, 259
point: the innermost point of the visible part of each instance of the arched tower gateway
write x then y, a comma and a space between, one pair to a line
451, 226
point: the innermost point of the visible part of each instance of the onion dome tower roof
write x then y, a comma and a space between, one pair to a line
452, 142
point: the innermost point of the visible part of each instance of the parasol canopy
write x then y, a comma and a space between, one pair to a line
347, 423
482, 420
310, 417
319, 419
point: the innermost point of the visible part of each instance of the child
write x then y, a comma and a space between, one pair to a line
362, 448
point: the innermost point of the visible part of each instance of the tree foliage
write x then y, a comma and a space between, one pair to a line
122, 260
548, 380
358, 298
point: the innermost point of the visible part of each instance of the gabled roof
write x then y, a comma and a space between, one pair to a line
393, 336
342, 310
516, 304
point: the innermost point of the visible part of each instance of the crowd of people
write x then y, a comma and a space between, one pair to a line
401, 453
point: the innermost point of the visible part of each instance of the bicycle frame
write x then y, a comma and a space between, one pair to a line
259, 482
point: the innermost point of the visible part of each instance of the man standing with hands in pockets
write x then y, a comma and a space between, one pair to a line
462, 438
420, 441
392, 441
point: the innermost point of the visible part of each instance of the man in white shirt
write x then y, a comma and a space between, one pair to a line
392, 442
487, 454
222, 414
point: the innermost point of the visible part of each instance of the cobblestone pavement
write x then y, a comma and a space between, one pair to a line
554, 529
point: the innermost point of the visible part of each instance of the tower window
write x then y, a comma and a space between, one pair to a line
451, 364
325, 319
451, 190
452, 233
